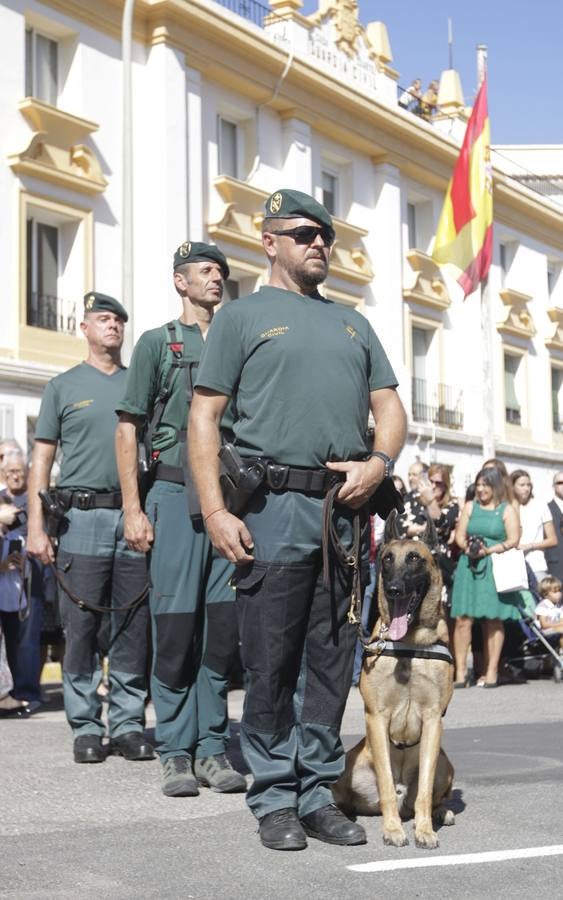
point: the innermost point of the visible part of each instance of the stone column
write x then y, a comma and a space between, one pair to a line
161, 185
296, 154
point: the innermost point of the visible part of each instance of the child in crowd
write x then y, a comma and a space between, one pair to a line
549, 612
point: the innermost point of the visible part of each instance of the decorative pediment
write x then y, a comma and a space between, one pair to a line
517, 321
238, 219
349, 259
555, 339
425, 285
56, 151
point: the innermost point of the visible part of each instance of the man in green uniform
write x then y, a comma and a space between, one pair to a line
94, 563
306, 372
192, 604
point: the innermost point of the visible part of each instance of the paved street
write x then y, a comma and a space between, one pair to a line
106, 831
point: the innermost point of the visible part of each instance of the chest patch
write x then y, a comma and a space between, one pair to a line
275, 332
81, 404
351, 331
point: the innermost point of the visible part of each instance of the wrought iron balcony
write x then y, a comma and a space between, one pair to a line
249, 9
437, 404
52, 313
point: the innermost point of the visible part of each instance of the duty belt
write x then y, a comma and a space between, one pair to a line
309, 481
85, 499
175, 474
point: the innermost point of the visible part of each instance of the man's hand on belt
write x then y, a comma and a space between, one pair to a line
40, 546
230, 536
362, 478
138, 531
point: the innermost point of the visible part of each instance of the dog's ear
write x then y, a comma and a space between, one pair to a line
392, 532
429, 535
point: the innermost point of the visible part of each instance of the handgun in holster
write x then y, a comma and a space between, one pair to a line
239, 478
54, 509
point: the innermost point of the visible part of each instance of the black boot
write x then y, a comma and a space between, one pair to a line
132, 745
88, 748
330, 825
281, 830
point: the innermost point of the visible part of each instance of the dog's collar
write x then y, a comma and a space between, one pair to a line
383, 647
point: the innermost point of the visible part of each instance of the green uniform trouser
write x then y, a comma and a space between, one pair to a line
95, 563
195, 638
298, 651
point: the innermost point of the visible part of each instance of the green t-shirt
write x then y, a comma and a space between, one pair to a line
145, 377
302, 369
78, 409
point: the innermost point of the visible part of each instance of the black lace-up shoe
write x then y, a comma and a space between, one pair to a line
330, 825
281, 830
88, 748
132, 745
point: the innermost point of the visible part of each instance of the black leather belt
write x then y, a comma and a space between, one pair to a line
85, 499
309, 481
175, 474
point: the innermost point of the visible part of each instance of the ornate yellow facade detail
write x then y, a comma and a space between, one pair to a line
426, 285
555, 339
517, 320
56, 152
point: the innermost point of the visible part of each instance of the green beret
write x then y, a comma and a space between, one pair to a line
196, 251
290, 204
96, 302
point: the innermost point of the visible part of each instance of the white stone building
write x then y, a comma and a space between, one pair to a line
232, 100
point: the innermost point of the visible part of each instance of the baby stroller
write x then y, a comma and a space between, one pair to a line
538, 653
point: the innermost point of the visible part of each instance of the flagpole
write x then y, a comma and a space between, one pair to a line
486, 323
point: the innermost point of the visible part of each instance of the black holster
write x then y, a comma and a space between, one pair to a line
239, 478
54, 509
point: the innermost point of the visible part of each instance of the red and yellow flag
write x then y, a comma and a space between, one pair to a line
464, 238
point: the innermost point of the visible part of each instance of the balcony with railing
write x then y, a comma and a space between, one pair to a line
52, 313
249, 9
437, 404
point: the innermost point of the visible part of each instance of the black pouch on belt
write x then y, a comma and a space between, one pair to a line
239, 478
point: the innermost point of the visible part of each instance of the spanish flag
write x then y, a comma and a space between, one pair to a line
464, 238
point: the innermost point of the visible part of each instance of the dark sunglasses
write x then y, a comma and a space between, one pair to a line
306, 234
437, 483
557, 483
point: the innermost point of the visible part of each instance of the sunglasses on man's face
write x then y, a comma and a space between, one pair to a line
306, 234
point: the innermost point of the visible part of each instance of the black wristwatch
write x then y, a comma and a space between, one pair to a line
389, 463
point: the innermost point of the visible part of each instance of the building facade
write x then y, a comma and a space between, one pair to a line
232, 100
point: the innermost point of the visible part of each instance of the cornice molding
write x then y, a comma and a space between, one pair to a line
55, 152
517, 321
555, 339
426, 286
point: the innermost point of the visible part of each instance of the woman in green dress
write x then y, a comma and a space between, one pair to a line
474, 596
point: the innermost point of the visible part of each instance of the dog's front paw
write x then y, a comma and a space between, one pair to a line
395, 837
426, 839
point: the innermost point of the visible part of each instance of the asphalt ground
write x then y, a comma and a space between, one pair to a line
106, 831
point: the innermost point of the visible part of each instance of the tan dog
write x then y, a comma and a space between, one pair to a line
399, 767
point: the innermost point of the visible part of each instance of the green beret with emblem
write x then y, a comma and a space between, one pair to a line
197, 251
289, 204
96, 302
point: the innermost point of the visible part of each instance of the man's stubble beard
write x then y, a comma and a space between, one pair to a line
308, 280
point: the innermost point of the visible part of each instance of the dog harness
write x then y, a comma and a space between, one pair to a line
383, 647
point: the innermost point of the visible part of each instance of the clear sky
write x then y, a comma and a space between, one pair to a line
525, 51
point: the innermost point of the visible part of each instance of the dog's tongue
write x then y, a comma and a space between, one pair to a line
399, 625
